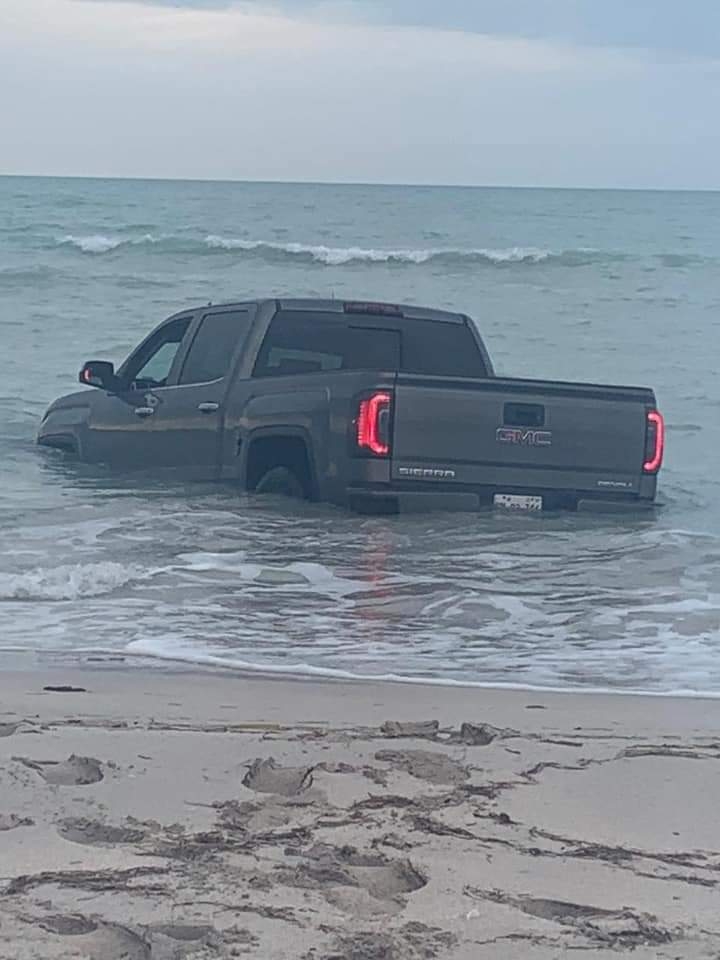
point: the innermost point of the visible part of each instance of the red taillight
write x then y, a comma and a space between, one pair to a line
654, 442
373, 424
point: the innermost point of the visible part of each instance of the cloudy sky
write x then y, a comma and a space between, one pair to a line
533, 92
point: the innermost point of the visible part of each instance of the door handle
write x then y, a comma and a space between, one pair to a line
208, 407
144, 411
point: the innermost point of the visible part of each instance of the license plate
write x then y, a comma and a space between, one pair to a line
512, 501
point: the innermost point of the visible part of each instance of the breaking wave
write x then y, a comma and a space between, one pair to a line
100, 243
67, 582
338, 256
320, 254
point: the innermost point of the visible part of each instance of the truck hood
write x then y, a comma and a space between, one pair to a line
70, 401
65, 420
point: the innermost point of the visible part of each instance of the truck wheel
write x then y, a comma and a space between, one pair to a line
281, 482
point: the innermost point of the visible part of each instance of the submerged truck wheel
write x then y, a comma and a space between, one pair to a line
281, 482
279, 465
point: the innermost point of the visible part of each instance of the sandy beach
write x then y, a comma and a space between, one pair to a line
177, 815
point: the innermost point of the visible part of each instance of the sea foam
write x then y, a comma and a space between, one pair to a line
66, 582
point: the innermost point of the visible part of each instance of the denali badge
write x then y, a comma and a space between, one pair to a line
615, 484
426, 473
521, 437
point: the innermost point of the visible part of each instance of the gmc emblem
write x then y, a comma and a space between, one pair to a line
521, 437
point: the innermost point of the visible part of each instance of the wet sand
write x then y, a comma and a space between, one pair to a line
153, 815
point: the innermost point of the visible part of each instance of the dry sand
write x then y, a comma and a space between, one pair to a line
188, 816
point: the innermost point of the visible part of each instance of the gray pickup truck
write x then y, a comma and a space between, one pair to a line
376, 407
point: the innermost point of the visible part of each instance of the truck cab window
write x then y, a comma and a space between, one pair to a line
214, 345
441, 350
151, 366
305, 342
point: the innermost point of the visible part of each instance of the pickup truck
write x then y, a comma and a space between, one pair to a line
375, 407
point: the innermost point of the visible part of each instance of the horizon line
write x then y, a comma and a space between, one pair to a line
355, 183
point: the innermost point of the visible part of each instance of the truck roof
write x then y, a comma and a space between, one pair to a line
363, 307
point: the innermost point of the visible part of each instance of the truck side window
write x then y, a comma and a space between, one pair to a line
304, 342
214, 345
151, 366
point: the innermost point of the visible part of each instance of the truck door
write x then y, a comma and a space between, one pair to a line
171, 414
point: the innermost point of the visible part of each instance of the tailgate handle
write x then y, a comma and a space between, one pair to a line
524, 415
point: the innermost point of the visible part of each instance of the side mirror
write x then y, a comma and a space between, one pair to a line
99, 373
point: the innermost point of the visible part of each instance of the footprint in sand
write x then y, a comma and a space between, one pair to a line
100, 941
422, 729
8, 729
381, 877
73, 772
73, 925
358, 883
611, 928
176, 941
414, 940
112, 941
9, 821
480, 734
267, 776
425, 765
95, 834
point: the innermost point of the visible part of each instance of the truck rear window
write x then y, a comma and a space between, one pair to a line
440, 349
306, 342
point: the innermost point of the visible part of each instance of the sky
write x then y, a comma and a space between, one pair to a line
603, 93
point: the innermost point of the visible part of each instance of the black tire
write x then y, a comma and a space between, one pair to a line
281, 482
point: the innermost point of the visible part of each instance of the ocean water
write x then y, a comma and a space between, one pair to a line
612, 286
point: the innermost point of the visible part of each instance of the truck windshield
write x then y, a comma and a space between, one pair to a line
310, 342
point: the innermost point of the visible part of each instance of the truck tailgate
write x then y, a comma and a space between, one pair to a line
520, 434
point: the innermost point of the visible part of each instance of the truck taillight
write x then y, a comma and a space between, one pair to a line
654, 442
373, 424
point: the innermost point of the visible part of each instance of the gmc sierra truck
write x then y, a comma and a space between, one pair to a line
375, 407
